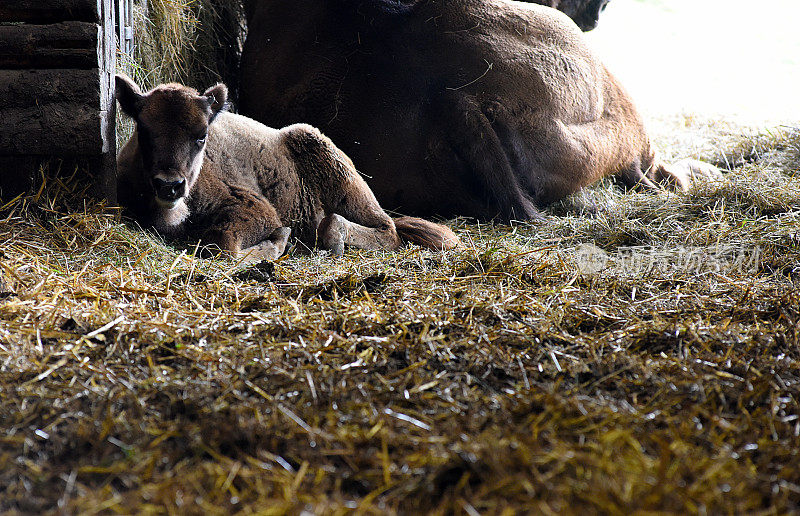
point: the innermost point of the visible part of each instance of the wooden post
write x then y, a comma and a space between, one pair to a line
107, 60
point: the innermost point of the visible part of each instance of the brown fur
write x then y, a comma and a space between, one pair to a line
247, 185
483, 108
420, 232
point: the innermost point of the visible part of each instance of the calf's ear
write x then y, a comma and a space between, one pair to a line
217, 97
128, 94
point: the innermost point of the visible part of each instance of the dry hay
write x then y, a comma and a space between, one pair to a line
645, 358
194, 42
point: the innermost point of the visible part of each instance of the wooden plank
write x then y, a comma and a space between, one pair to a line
48, 11
60, 129
25, 88
107, 54
60, 45
47, 58
57, 86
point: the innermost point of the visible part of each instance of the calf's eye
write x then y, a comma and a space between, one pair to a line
201, 141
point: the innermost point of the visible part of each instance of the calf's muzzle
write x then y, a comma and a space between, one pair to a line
168, 190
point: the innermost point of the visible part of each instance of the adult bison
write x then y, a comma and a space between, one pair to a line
483, 108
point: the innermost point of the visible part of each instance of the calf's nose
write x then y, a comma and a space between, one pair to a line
169, 190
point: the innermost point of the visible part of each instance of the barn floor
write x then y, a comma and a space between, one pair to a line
645, 358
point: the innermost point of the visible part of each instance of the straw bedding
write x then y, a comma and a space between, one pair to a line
643, 358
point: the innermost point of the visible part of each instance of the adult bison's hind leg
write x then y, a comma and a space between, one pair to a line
474, 141
633, 177
679, 176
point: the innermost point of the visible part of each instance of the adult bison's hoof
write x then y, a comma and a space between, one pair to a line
526, 212
688, 172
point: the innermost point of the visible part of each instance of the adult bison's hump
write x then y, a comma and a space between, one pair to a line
524, 55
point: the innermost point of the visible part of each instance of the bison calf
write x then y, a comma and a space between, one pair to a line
193, 171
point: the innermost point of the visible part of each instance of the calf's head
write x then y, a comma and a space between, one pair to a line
172, 124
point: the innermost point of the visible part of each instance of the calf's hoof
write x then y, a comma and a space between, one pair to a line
270, 249
331, 234
281, 236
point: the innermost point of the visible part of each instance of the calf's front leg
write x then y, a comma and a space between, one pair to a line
248, 228
270, 249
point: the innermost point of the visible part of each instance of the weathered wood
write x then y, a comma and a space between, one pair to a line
60, 45
63, 129
48, 11
26, 88
107, 61
56, 89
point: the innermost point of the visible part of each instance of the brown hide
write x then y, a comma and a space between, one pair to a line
482, 108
